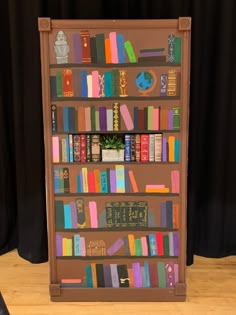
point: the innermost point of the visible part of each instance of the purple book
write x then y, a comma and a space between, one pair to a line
112, 181
176, 244
107, 276
74, 217
58, 245
137, 275
77, 48
164, 149
151, 54
103, 118
170, 119
163, 214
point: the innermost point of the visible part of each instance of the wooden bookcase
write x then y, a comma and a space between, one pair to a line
116, 229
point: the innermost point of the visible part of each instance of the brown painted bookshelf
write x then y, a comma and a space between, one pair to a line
116, 219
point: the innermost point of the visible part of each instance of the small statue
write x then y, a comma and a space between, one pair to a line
61, 48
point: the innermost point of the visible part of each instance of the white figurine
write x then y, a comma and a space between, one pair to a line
61, 48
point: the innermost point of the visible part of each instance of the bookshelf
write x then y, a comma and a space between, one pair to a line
116, 228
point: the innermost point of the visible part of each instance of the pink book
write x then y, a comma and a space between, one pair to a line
95, 84
114, 51
126, 117
93, 214
156, 119
87, 119
55, 149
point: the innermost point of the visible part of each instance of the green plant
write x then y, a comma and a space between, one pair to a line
112, 142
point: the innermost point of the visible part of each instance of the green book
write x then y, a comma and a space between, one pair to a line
161, 274
176, 117
93, 118
166, 245
59, 214
138, 247
59, 84
150, 117
177, 50
100, 45
115, 82
130, 51
97, 123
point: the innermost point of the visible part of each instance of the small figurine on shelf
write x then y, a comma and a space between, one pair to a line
61, 48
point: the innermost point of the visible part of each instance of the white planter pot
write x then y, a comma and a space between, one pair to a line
111, 155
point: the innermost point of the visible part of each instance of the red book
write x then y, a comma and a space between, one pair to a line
144, 147
83, 148
160, 249
153, 275
67, 82
141, 119
91, 182
85, 42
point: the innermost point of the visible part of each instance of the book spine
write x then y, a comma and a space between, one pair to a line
83, 149
144, 147
127, 148
95, 148
85, 44
88, 148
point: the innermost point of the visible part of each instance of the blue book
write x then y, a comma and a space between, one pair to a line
67, 216
67, 149
77, 249
103, 182
169, 214
127, 148
84, 85
152, 244
147, 276
71, 119
177, 150
135, 118
56, 173
89, 277
71, 151
79, 189
120, 48
108, 84
65, 119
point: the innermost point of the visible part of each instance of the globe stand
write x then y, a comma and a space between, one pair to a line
146, 92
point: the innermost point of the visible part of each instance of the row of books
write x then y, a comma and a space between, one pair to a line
116, 118
134, 275
120, 179
79, 214
101, 49
138, 148
94, 84
154, 244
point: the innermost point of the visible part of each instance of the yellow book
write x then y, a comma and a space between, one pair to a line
158, 190
69, 247
171, 145
85, 179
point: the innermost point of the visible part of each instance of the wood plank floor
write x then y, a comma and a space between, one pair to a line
211, 289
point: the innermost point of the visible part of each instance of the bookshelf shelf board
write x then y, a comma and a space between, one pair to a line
119, 229
118, 132
115, 162
128, 98
117, 194
115, 65
113, 257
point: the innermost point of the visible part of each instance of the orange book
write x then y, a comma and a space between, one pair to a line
94, 275
71, 280
171, 146
131, 277
97, 180
176, 215
131, 244
108, 50
133, 181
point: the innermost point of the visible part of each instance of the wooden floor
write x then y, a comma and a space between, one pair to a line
211, 289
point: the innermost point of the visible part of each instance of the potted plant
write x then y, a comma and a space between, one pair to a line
112, 148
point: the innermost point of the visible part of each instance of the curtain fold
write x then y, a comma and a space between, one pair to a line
211, 172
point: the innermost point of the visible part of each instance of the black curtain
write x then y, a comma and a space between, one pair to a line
211, 173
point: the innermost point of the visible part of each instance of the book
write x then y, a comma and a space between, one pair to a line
85, 44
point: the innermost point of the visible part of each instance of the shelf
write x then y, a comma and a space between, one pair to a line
116, 194
113, 257
115, 162
127, 98
119, 229
117, 132
115, 65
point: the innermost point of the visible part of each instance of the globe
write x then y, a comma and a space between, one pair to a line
144, 80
